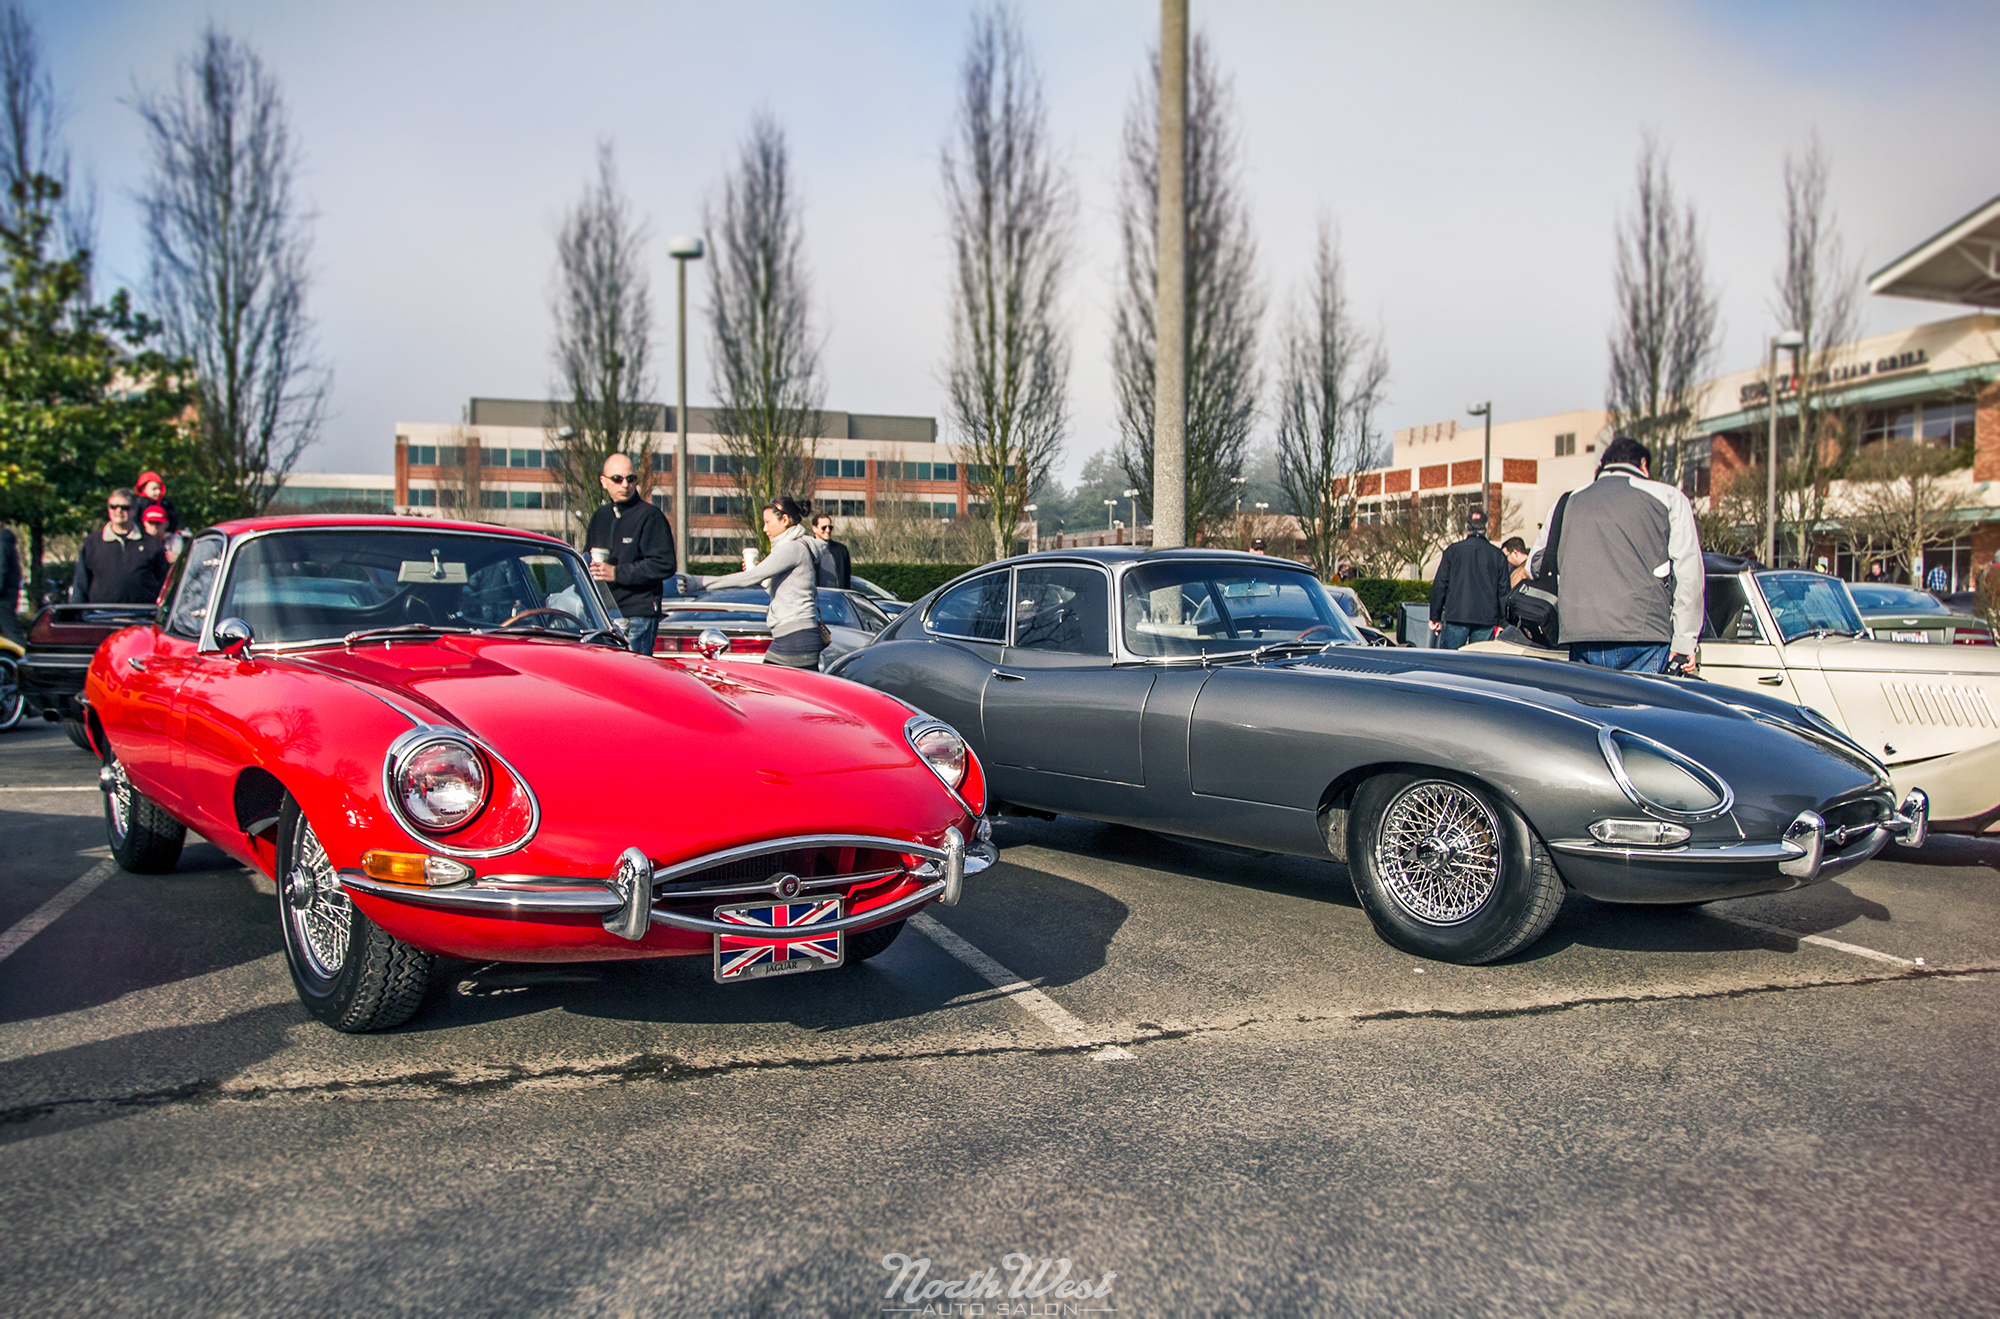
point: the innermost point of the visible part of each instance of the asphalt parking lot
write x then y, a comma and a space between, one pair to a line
1195, 1070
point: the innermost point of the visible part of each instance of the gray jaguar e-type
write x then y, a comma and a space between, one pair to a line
1222, 696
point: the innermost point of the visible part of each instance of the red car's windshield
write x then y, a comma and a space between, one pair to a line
321, 585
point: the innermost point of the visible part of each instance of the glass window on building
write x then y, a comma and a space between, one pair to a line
423, 455
1949, 424
421, 498
493, 499
1566, 444
663, 462
1697, 467
492, 457
524, 458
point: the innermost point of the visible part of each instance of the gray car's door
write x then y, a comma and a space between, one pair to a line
1057, 715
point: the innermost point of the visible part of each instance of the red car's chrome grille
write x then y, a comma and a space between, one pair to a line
818, 868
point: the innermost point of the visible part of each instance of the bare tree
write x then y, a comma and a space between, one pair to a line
1225, 304
31, 143
1665, 338
603, 343
763, 351
1011, 212
1330, 384
1905, 496
228, 252
1817, 292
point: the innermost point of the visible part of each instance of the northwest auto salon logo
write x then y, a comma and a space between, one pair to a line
1037, 1287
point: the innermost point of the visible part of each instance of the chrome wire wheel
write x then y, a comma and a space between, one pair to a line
118, 801
316, 906
1439, 851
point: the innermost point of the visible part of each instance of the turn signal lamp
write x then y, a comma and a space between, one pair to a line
413, 868
1639, 833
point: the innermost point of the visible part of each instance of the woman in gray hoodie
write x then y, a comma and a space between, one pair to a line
795, 570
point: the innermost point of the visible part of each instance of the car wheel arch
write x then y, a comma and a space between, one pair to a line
1338, 797
258, 799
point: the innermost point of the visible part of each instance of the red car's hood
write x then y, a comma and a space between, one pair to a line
676, 758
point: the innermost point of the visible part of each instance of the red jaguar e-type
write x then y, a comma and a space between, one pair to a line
430, 735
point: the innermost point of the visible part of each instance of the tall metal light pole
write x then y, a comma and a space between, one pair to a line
683, 248
1110, 509
1170, 324
1485, 464
1133, 495
1792, 341
1034, 527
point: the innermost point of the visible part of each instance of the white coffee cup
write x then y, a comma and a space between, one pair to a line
598, 554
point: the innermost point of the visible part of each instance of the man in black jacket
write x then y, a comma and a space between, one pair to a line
1470, 583
631, 548
836, 553
119, 565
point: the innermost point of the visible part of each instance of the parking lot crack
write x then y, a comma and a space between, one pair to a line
1690, 995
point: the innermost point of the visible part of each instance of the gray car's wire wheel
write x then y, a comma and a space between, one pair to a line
348, 972
144, 839
1446, 870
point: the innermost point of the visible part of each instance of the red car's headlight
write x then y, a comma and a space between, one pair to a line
440, 785
940, 747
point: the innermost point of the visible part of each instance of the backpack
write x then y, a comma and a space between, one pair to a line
1533, 604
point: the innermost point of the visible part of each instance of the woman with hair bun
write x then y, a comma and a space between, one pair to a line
794, 571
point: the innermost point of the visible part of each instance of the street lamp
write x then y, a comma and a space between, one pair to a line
683, 249
1485, 464
1260, 507
1791, 341
1110, 506
1034, 527
1240, 482
1133, 495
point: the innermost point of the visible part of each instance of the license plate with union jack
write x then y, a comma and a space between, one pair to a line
778, 939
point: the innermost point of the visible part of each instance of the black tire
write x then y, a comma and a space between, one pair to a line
75, 729
1446, 870
13, 701
348, 972
144, 839
871, 943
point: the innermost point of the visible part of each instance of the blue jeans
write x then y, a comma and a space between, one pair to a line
643, 633
1633, 659
1453, 635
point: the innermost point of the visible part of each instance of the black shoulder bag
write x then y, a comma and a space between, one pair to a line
1532, 604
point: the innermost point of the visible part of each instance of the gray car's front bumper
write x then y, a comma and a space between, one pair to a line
1808, 852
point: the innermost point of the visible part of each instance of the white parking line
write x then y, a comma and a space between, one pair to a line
1820, 940
88, 787
51, 911
1032, 1000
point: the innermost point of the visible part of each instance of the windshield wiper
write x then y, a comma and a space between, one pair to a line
1813, 633
400, 630
1282, 647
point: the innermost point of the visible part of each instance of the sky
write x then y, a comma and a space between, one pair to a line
1473, 156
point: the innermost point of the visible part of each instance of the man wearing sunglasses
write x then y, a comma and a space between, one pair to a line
631, 548
119, 565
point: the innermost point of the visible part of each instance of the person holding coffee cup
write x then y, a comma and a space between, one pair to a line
631, 546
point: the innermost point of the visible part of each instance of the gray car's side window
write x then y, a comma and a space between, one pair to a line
1062, 610
975, 610
203, 560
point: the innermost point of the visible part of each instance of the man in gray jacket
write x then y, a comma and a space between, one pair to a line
1629, 576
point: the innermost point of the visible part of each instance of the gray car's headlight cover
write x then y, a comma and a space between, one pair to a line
1662, 780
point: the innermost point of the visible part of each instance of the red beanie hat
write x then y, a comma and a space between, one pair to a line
145, 477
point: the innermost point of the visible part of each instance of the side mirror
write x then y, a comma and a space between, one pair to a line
233, 637
711, 643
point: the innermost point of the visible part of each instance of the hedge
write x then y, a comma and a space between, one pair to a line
1383, 594
905, 581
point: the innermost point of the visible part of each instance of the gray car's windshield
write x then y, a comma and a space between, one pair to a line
1808, 604
322, 585
1194, 608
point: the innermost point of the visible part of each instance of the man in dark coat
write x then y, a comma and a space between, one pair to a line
10, 586
631, 546
119, 565
1470, 583
836, 553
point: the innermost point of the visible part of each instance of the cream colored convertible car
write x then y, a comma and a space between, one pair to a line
1931, 714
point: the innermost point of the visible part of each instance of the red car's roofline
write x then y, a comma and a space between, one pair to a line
290, 521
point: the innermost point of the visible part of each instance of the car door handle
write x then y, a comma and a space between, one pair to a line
136, 662
1009, 677
1773, 680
